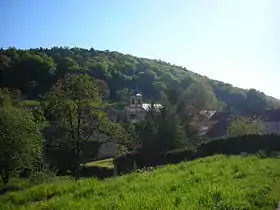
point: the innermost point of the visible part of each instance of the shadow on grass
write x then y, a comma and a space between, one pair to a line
10, 188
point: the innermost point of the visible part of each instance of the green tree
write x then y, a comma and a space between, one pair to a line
170, 134
162, 130
243, 126
20, 140
34, 71
74, 107
10, 97
66, 65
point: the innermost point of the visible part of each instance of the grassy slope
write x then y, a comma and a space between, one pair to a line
217, 182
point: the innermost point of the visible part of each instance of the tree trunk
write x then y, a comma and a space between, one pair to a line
5, 176
78, 146
77, 166
77, 171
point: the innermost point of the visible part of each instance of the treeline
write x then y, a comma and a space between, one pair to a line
34, 71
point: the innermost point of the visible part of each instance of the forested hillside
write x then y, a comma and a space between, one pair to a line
34, 71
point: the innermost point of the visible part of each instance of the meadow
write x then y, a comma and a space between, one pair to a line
217, 182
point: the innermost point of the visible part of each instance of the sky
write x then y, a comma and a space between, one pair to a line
235, 41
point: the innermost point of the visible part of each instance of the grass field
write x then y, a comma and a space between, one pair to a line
217, 182
106, 163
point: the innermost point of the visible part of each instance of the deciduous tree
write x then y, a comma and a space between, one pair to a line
243, 126
74, 107
20, 140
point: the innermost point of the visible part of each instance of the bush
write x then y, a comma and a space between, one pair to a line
129, 161
125, 163
41, 176
95, 171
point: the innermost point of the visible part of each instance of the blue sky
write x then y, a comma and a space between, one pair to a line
235, 41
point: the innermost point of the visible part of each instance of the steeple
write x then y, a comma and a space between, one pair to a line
136, 100
139, 100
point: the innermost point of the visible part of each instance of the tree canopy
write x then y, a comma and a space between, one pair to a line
243, 126
74, 108
21, 141
34, 71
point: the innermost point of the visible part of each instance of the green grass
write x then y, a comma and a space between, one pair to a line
217, 182
31, 102
18, 183
106, 163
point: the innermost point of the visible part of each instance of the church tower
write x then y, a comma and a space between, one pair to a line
139, 100
135, 109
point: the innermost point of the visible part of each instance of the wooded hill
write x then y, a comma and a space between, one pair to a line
34, 71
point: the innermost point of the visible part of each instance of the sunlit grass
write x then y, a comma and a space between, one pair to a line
31, 102
106, 163
217, 182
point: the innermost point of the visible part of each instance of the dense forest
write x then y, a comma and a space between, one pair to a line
34, 71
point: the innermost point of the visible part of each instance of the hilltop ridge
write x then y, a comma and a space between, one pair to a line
34, 71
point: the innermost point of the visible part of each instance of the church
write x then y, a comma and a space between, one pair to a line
136, 110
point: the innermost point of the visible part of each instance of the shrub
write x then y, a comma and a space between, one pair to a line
127, 162
250, 144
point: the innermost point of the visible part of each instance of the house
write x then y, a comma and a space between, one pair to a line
269, 118
211, 123
136, 110
202, 121
107, 150
271, 121
219, 125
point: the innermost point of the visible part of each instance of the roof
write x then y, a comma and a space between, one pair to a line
148, 106
207, 113
220, 116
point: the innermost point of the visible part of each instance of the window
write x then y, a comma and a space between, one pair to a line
139, 101
133, 101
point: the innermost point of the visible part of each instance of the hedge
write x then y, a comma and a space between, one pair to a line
95, 171
129, 161
250, 144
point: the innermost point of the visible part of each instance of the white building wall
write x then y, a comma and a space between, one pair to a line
107, 150
272, 127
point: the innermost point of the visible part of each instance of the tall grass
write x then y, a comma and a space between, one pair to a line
218, 182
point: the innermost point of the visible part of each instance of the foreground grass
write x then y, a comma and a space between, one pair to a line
217, 182
105, 163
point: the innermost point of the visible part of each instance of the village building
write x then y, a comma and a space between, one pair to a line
136, 109
271, 121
